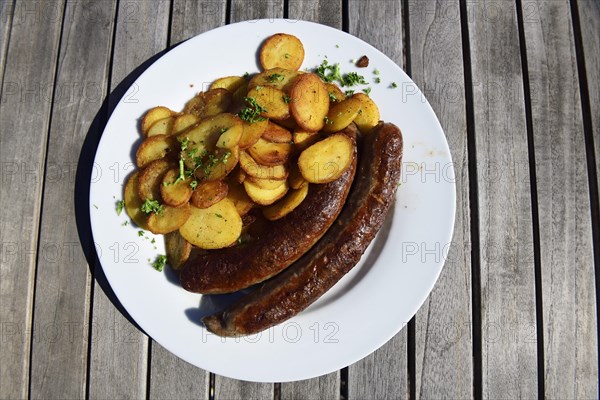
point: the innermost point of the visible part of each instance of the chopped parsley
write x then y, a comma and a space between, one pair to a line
125, 223
394, 85
193, 184
328, 72
120, 205
252, 112
377, 80
349, 92
141, 233
327, 121
218, 215
286, 99
287, 55
332, 96
353, 79
275, 78
160, 262
337, 46
367, 91
152, 206
376, 71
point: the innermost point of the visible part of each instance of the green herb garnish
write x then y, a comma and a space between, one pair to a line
252, 112
394, 85
327, 121
328, 72
332, 96
120, 205
367, 91
286, 99
349, 93
275, 78
353, 79
141, 233
152, 206
159, 263
377, 80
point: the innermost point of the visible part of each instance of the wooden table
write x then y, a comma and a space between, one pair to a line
516, 86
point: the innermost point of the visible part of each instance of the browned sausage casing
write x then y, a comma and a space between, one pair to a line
335, 254
285, 241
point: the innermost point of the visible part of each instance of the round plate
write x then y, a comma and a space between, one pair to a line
362, 311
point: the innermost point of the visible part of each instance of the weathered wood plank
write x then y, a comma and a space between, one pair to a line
326, 386
382, 374
171, 377
568, 289
6, 9
62, 294
443, 337
25, 108
508, 316
119, 351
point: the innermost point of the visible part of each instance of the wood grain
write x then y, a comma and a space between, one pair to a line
569, 295
119, 351
7, 7
443, 334
384, 372
190, 18
62, 295
326, 386
508, 316
25, 107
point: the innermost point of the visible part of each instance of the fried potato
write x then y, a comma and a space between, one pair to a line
279, 78
218, 165
281, 50
251, 132
272, 100
335, 93
295, 179
175, 193
215, 227
303, 139
310, 102
342, 114
269, 153
269, 184
171, 219
154, 148
265, 197
243, 203
277, 134
178, 249
249, 165
133, 203
208, 193
238, 174
183, 122
153, 115
326, 160
286, 205
207, 104
368, 116
289, 123
151, 178
162, 127
230, 137
230, 83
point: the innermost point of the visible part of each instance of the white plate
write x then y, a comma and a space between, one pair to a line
366, 308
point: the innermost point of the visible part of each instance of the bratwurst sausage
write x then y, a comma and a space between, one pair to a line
335, 254
284, 241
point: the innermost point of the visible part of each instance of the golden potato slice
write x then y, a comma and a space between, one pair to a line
238, 174
230, 83
249, 165
286, 205
175, 193
150, 179
277, 134
335, 93
289, 123
368, 116
208, 193
269, 153
133, 203
183, 122
269, 184
153, 115
162, 127
155, 148
215, 227
243, 203
252, 132
310, 102
207, 104
303, 139
342, 114
265, 197
296, 180
171, 219
281, 50
279, 78
230, 137
326, 160
178, 250
272, 101
218, 164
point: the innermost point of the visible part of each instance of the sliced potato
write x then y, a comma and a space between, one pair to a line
277, 134
279, 78
175, 193
303, 139
368, 116
310, 102
243, 203
230, 83
281, 50
154, 148
289, 123
335, 93
238, 174
249, 165
296, 180
183, 122
151, 178
269, 184
178, 250
133, 203
269, 153
342, 114
171, 219
251, 132
272, 101
162, 127
286, 205
208, 193
214, 227
218, 165
153, 115
207, 104
231, 136
265, 197
327, 160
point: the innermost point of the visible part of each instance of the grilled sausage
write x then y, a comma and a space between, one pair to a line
284, 241
335, 254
